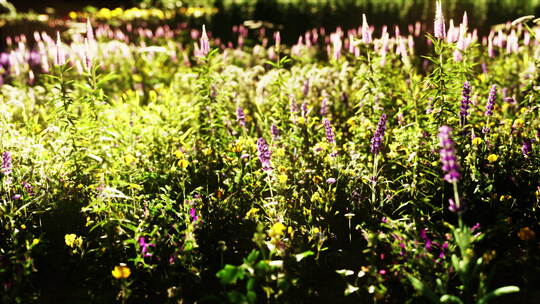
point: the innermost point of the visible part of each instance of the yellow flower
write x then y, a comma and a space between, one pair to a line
128, 159
276, 230
518, 123
207, 151
283, 178
35, 242
183, 163
280, 152
23, 226
179, 154
505, 197
121, 271
252, 212
492, 158
72, 240
317, 179
526, 234
72, 15
477, 141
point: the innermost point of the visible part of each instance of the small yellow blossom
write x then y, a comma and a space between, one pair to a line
207, 151
277, 230
35, 242
280, 152
518, 123
252, 212
121, 272
526, 234
23, 226
72, 240
505, 197
317, 179
129, 159
283, 178
477, 141
492, 158
183, 163
179, 154
72, 15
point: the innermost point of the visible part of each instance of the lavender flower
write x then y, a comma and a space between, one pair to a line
274, 130
449, 161
378, 136
240, 116
465, 102
526, 147
7, 166
329, 132
305, 89
264, 154
439, 27
304, 110
60, 58
324, 107
28, 188
294, 106
491, 100
144, 246
204, 43
366, 34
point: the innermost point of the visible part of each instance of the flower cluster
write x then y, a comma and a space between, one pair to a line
264, 154
465, 102
491, 100
240, 116
329, 132
449, 161
378, 136
7, 166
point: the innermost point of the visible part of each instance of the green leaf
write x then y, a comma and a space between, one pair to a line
230, 274
350, 289
498, 292
423, 290
450, 299
303, 255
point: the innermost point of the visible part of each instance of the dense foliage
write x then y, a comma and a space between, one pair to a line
159, 165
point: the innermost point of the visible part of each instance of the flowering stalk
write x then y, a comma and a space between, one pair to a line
439, 26
465, 103
450, 165
204, 43
7, 166
489, 107
375, 149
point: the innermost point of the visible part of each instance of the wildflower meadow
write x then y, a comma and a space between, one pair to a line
150, 162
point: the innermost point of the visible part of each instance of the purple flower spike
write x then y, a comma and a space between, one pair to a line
264, 154
440, 29
329, 132
204, 43
465, 102
7, 166
240, 116
305, 89
378, 136
275, 131
324, 107
449, 161
491, 100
